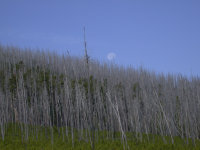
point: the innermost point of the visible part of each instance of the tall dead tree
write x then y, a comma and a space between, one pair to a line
90, 97
86, 54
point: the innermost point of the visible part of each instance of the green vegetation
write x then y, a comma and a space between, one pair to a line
14, 140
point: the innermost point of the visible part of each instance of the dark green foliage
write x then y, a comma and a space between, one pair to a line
103, 90
2, 80
91, 81
27, 75
61, 79
40, 80
43, 79
73, 83
85, 85
92, 86
13, 83
19, 66
60, 83
136, 90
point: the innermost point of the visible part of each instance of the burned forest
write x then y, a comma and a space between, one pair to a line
44, 89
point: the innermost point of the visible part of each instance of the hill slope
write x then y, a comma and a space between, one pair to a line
43, 89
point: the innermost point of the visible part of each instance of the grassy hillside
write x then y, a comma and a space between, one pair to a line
95, 102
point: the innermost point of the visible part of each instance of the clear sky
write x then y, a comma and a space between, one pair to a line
160, 35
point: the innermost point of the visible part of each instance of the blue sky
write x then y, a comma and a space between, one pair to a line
160, 35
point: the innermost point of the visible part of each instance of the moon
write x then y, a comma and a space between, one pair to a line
111, 56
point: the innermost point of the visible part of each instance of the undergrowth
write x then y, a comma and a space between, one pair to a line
14, 140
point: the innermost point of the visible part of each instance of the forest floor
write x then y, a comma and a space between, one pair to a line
14, 141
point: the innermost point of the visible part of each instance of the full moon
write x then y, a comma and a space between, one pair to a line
111, 56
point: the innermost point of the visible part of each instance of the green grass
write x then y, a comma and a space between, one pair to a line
13, 141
